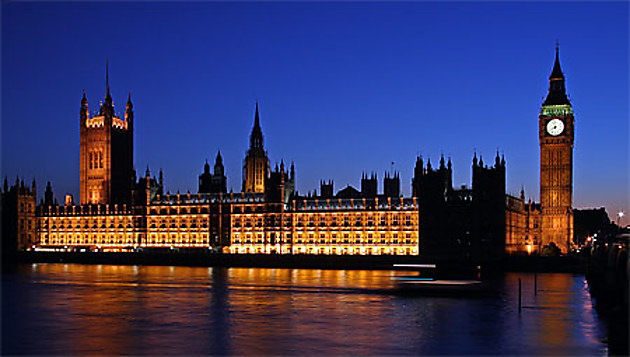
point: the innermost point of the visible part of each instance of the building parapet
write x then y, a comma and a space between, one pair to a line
83, 210
337, 204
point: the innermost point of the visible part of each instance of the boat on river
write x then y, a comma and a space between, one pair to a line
425, 282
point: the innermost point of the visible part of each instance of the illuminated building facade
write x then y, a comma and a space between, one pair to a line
326, 226
523, 225
266, 217
118, 212
237, 223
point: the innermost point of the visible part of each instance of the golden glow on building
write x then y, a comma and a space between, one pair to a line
522, 226
88, 227
238, 223
328, 227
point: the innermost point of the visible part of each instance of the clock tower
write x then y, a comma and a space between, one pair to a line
555, 129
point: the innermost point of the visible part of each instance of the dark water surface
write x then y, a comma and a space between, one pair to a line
104, 309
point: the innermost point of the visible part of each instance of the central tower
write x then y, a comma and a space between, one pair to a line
256, 165
106, 152
555, 129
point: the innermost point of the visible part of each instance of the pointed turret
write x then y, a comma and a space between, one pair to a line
129, 110
107, 107
107, 95
83, 112
256, 166
557, 94
218, 165
475, 159
418, 170
256, 137
219, 159
161, 180
497, 160
48, 195
556, 73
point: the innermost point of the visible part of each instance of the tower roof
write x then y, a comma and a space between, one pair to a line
556, 73
107, 95
219, 159
557, 93
107, 106
256, 137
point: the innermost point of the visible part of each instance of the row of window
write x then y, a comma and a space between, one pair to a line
323, 221
327, 242
180, 210
177, 223
86, 224
334, 235
95, 239
181, 226
323, 250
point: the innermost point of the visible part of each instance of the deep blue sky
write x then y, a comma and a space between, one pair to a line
342, 87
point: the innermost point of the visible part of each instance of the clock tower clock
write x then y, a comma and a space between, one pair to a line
555, 129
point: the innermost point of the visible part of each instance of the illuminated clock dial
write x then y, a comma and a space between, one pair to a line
555, 127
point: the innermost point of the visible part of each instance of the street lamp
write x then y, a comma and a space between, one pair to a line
619, 215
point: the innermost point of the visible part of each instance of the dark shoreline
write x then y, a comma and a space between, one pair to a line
571, 264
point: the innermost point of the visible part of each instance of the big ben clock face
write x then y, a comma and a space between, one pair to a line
555, 127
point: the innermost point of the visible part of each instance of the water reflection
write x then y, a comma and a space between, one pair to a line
103, 309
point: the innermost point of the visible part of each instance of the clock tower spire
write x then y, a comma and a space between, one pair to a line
556, 136
557, 93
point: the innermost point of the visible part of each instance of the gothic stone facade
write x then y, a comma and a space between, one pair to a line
116, 213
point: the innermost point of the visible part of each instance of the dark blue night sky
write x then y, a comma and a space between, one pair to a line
342, 87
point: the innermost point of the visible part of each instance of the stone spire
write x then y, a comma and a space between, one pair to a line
256, 137
557, 93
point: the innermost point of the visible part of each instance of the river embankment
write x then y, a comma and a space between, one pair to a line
570, 264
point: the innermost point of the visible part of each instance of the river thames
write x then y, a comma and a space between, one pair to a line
138, 310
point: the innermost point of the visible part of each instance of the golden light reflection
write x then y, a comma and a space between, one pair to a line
105, 309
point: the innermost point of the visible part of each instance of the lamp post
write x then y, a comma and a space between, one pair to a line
619, 216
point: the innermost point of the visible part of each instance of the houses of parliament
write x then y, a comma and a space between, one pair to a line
119, 210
